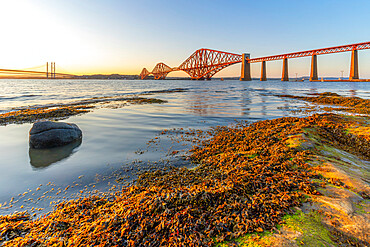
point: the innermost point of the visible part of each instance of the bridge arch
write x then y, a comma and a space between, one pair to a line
202, 64
205, 63
160, 71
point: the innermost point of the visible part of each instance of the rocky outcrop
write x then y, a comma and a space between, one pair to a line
48, 134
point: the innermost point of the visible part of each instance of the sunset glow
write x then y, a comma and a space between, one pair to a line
184, 123
91, 37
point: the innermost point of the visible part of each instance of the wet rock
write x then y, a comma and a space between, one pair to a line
339, 199
48, 134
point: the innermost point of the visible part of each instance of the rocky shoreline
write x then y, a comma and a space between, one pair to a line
63, 111
283, 182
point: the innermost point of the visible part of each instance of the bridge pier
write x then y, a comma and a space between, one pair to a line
263, 71
285, 75
246, 68
313, 75
354, 66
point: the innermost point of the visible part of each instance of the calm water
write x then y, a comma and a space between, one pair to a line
113, 139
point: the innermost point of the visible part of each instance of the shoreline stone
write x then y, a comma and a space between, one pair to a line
48, 134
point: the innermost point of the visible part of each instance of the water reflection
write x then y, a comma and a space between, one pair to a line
264, 108
217, 101
353, 92
245, 102
313, 90
42, 158
211, 102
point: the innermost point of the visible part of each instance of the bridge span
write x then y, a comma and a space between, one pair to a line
49, 73
205, 63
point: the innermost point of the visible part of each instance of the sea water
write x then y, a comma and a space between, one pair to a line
118, 141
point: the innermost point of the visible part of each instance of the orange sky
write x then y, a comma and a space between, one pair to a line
91, 37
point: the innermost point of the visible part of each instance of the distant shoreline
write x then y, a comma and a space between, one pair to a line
137, 77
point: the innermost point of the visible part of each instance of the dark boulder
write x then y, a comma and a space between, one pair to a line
49, 134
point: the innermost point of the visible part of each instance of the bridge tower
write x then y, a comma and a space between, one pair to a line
51, 69
285, 75
313, 75
354, 66
263, 71
246, 68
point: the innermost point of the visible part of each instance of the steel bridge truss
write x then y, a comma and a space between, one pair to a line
202, 64
335, 49
161, 70
205, 63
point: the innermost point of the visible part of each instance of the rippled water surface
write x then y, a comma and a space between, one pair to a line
114, 139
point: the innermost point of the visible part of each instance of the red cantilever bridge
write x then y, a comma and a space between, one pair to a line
205, 63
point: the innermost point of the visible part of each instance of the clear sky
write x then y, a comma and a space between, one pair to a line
119, 36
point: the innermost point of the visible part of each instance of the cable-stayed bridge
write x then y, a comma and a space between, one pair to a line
47, 71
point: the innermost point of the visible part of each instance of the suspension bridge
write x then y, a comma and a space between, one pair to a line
205, 63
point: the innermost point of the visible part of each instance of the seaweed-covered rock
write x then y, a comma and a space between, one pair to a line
48, 134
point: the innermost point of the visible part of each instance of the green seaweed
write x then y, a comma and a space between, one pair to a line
314, 233
361, 208
256, 239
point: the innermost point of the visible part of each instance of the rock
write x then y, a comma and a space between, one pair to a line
47, 134
339, 199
